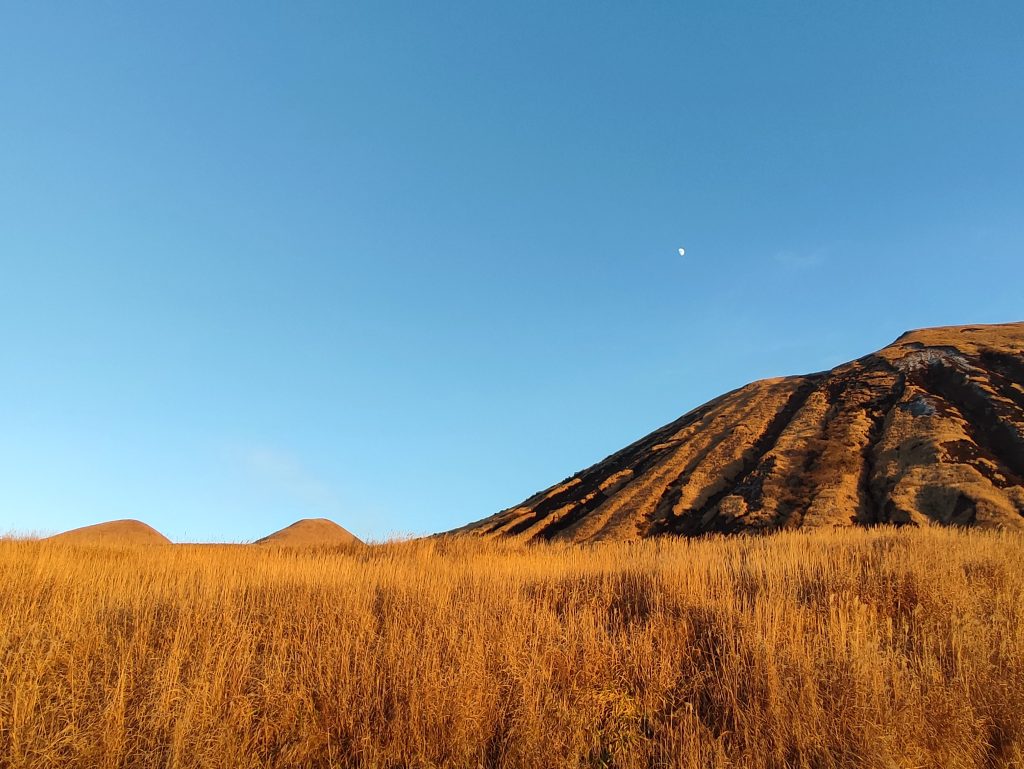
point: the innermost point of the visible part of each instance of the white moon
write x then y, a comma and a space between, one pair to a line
682, 252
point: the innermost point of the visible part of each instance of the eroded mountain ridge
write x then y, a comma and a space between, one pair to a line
930, 428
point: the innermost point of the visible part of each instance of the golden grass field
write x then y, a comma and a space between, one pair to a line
843, 648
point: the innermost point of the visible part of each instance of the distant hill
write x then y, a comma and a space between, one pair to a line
931, 428
310, 532
122, 532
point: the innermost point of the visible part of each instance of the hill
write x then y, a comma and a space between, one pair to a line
310, 532
121, 532
930, 428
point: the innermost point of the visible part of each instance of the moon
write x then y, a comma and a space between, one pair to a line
682, 252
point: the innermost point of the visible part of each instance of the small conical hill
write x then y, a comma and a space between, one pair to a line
310, 532
122, 532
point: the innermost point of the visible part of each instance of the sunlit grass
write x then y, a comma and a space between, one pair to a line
839, 648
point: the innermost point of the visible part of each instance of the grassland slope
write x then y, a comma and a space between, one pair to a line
828, 649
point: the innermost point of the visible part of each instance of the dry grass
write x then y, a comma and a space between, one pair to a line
845, 648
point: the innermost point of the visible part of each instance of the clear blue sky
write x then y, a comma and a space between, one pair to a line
404, 264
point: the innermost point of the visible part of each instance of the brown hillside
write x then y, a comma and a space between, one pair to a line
931, 428
310, 532
123, 532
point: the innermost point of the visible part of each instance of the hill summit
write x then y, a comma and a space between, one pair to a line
310, 532
122, 532
930, 428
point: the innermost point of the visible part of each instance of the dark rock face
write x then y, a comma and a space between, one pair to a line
930, 428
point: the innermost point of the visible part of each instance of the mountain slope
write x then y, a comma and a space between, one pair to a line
931, 428
122, 532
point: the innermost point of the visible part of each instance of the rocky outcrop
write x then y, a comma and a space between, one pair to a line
930, 428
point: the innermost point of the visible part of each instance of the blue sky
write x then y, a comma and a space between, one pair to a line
404, 264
